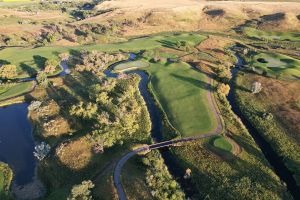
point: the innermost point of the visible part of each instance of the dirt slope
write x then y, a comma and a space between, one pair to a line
166, 15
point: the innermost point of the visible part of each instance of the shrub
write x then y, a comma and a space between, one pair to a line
42, 79
82, 191
256, 87
41, 150
8, 71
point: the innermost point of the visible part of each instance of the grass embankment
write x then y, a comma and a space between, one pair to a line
6, 176
30, 60
271, 35
15, 89
182, 93
276, 65
282, 130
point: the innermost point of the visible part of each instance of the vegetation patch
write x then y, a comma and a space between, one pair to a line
6, 176
273, 113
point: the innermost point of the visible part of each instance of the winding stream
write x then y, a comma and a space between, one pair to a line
275, 161
17, 142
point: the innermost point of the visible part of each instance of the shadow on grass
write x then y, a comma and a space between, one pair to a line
4, 62
194, 82
168, 44
39, 61
28, 69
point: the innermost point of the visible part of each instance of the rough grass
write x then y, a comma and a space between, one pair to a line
277, 65
182, 93
9, 91
271, 35
229, 178
278, 98
30, 60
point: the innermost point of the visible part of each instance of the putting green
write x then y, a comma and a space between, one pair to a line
277, 65
131, 65
221, 143
30, 60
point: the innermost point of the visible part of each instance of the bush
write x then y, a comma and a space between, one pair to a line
82, 191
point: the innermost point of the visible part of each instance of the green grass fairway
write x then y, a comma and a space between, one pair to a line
29, 60
131, 65
252, 32
9, 91
221, 143
182, 94
277, 65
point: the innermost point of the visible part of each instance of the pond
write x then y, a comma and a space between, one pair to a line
16, 142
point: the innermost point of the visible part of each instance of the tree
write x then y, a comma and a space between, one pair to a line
224, 74
42, 79
187, 174
64, 56
82, 191
156, 56
223, 89
256, 87
8, 71
86, 111
41, 150
50, 66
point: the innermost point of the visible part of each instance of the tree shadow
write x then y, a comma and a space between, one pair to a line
74, 52
194, 82
168, 44
39, 61
28, 69
4, 62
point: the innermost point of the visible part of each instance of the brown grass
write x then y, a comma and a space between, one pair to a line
282, 99
75, 155
173, 15
48, 120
